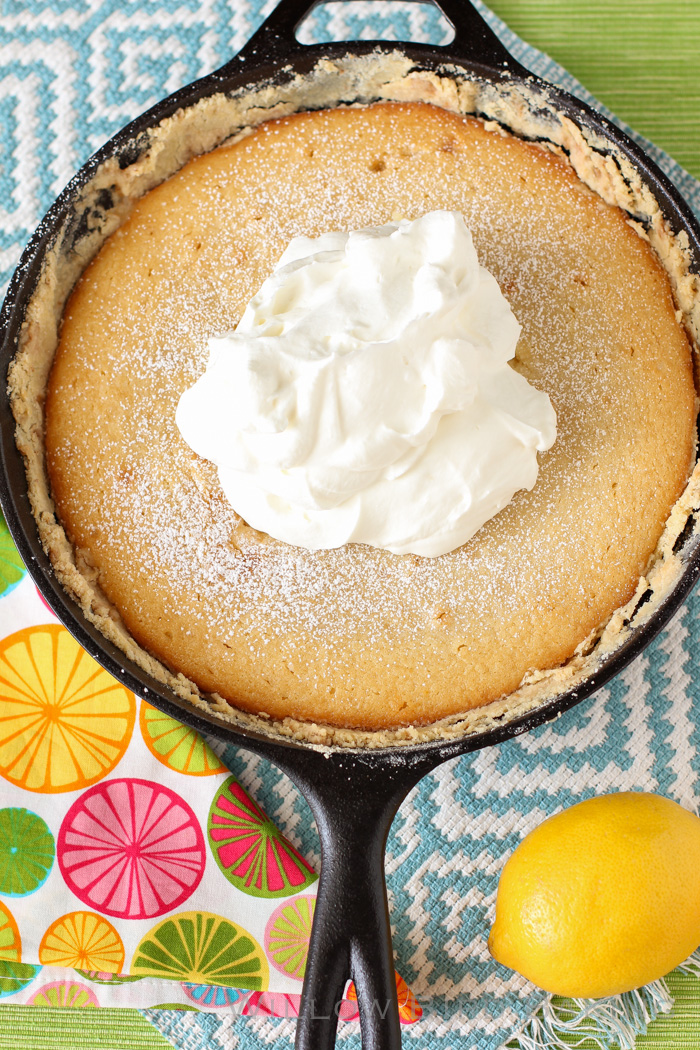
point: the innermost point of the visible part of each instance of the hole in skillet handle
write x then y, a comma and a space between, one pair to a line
474, 40
407, 21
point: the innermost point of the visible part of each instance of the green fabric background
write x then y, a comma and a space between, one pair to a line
642, 59
46, 1028
679, 1030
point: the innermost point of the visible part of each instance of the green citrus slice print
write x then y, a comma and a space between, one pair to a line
250, 850
11, 566
27, 852
203, 948
16, 976
287, 936
176, 746
64, 993
102, 977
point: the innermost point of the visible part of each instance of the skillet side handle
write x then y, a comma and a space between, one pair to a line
474, 39
275, 38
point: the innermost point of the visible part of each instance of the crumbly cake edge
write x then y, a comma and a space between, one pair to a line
381, 76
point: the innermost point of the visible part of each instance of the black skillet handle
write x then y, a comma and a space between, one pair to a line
474, 39
351, 935
354, 799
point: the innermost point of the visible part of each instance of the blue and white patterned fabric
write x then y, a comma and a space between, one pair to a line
71, 73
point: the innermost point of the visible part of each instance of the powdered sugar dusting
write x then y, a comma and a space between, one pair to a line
258, 620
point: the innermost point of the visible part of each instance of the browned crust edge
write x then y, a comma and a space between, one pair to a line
384, 77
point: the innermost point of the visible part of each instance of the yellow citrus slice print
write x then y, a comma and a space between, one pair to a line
82, 940
64, 722
176, 746
10, 942
202, 948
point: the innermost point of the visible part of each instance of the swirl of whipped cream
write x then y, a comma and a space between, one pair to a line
366, 395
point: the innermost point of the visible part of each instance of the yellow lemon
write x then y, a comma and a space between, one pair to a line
603, 897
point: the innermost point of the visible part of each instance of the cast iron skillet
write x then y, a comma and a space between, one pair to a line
354, 794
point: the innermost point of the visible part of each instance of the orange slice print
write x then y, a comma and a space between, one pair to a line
10, 942
410, 1009
64, 722
176, 746
82, 940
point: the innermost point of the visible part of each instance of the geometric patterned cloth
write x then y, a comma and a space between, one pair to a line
72, 72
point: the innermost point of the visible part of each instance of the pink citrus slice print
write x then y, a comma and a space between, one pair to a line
287, 936
64, 722
250, 851
271, 1004
278, 1004
131, 848
64, 993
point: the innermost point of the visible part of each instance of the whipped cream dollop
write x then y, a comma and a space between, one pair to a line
366, 395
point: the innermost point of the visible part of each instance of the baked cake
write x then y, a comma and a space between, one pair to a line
357, 637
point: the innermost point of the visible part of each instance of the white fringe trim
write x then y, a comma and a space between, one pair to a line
615, 1021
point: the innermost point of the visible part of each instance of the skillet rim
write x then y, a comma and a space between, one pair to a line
247, 71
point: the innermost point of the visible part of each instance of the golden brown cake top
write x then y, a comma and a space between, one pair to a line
356, 636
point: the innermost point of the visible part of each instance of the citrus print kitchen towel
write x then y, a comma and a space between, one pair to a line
134, 869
